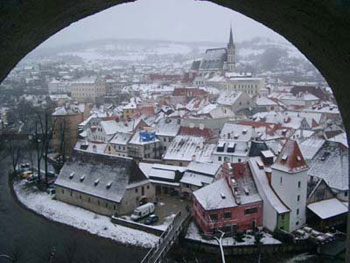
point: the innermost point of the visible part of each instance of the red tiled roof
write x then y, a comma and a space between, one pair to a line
290, 158
196, 132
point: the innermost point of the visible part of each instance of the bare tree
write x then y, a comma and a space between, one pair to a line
43, 141
257, 240
15, 151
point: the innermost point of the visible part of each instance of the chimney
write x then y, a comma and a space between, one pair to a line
193, 157
268, 172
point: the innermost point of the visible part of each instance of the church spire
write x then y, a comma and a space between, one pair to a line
230, 42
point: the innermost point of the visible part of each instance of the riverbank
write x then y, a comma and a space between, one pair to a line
42, 203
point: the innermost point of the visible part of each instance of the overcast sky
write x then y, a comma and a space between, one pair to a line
176, 20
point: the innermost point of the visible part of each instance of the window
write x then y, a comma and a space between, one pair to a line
147, 186
219, 158
227, 215
79, 196
71, 193
239, 160
106, 205
250, 211
281, 180
136, 190
282, 217
114, 207
214, 217
298, 198
346, 193
299, 184
89, 200
298, 211
98, 202
62, 191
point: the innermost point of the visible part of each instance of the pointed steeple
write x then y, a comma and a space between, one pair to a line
230, 42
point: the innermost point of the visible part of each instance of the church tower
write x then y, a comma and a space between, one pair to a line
231, 54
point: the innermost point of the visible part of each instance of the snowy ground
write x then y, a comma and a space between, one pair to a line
193, 234
102, 226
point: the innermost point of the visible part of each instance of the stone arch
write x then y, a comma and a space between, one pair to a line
319, 29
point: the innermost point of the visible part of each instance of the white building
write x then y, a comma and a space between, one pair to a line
289, 181
275, 213
88, 89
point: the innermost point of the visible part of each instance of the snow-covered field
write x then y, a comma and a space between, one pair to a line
102, 226
248, 240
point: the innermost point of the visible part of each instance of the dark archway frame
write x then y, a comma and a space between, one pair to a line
320, 29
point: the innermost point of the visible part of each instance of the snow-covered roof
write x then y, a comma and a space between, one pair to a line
311, 146
237, 132
204, 168
328, 208
167, 127
229, 98
184, 148
110, 127
267, 154
264, 101
146, 168
205, 155
340, 138
264, 187
98, 175
233, 148
120, 138
331, 165
196, 179
217, 195
162, 174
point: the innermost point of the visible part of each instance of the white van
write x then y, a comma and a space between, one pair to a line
143, 211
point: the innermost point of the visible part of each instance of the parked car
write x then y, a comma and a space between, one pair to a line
142, 211
26, 174
32, 178
151, 219
51, 191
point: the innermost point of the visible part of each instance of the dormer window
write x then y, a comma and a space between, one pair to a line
298, 158
97, 181
284, 157
71, 175
82, 178
109, 185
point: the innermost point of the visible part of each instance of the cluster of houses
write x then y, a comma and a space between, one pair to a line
246, 155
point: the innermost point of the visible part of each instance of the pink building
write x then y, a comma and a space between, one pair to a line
232, 203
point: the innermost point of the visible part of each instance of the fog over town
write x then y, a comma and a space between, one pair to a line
171, 131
